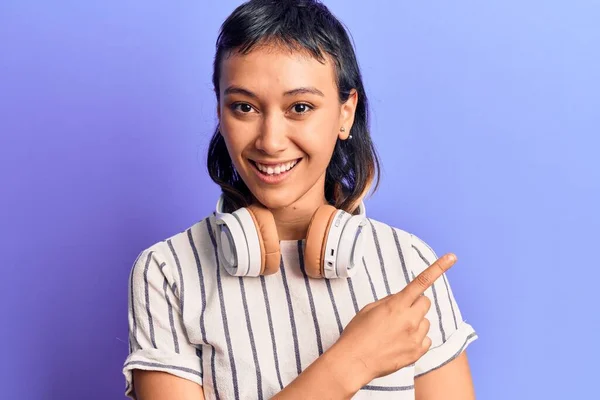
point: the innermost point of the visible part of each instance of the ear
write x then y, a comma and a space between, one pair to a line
347, 112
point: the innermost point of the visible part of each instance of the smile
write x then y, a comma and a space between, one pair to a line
274, 173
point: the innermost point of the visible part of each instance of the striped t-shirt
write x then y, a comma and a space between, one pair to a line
247, 338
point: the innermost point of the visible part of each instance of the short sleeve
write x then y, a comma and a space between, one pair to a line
449, 333
157, 337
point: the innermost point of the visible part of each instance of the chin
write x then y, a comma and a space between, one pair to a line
276, 198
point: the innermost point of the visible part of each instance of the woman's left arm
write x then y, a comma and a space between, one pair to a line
451, 382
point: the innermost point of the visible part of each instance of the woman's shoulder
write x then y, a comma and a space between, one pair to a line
382, 231
384, 238
191, 245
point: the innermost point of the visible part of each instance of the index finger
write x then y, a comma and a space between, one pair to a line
425, 279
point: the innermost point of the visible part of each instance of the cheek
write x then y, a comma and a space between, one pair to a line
236, 137
319, 139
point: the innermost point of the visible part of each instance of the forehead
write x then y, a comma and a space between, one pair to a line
277, 68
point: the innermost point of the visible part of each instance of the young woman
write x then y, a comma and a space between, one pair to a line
288, 290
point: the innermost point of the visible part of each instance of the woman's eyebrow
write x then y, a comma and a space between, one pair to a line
293, 92
304, 90
239, 90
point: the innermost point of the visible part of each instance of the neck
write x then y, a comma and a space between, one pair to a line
292, 221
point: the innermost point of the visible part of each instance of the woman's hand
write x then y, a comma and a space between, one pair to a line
391, 333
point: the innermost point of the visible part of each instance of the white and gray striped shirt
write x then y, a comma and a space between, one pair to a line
247, 338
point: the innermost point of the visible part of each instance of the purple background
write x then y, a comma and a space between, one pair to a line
486, 115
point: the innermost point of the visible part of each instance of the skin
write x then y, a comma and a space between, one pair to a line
261, 120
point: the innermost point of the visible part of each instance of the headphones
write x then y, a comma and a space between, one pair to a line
249, 245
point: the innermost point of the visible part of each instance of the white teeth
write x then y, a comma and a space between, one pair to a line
276, 169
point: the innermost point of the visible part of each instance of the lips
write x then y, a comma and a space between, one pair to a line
275, 169
274, 173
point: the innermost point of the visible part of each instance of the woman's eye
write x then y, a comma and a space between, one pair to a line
244, 108
301, 108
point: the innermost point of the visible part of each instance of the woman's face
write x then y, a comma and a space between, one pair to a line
280, 116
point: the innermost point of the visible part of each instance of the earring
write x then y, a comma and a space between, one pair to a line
342, 129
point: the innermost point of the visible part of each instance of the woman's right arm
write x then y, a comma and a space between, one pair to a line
156, 385
327, 377
319, 380
382, 338
324, 378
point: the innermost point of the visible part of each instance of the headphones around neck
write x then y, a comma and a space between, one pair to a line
249, 244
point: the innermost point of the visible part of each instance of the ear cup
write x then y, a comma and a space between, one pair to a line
349, 244
232, 244
316, 239
268, 239
247, 244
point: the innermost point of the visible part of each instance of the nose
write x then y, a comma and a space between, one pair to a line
272, 138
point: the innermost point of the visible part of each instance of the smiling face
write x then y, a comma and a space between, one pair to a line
280, 116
